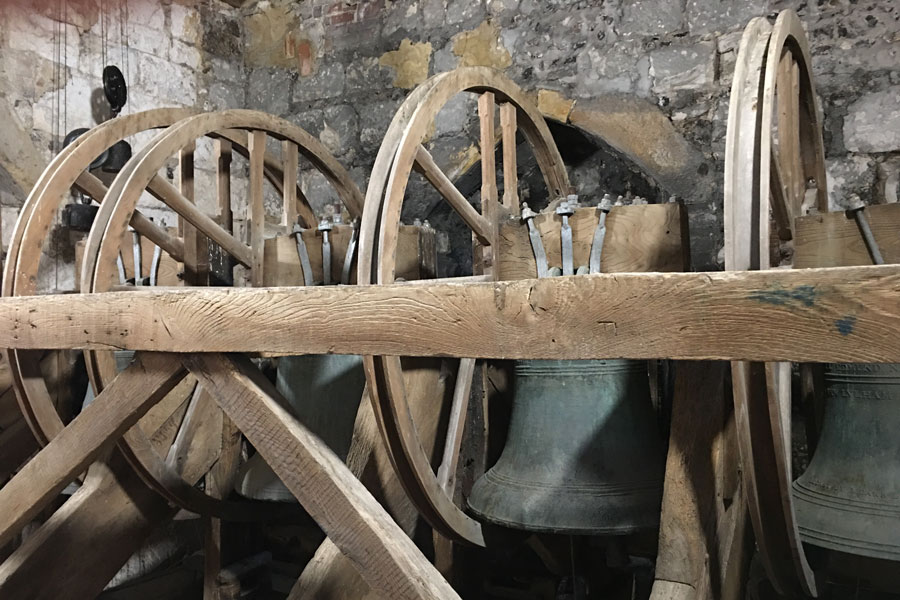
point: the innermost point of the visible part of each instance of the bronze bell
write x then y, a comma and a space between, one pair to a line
848, 499
583, 454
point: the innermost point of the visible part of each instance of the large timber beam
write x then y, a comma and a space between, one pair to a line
849, 314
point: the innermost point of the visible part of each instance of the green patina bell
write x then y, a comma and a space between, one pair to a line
849, 497
583, 453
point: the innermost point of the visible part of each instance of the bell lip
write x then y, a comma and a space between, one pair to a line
836, 509
576, 530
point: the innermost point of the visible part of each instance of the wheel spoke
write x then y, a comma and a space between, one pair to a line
257, 208
779, 195
489, 206
223, 184
510, 175
93, 187
477, 223
289, 187
169, 194
196, 246
446, 474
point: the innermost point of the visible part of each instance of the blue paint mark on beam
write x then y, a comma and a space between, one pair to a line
845, 326
805, 295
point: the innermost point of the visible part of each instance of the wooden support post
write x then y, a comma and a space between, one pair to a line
387, 559
703, 527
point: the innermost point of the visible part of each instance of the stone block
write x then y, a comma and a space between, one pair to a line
326, 82
611, 69
849, 175
340, 132
651, 17
269, 90
872, 123
683, 67
706, 16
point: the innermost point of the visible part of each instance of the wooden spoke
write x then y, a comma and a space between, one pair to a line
781, 209
96, 429
477, 223
488, 166
196, 245
170, 195
224, 215
387, 559
510, 174
92, 186
257, 208
446, 474
289, 189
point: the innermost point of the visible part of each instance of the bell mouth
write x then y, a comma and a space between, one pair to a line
575, 509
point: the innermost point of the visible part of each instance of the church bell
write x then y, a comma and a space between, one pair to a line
583, 454
849, 497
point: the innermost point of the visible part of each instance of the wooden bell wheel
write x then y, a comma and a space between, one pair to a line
396, 384
162, 466
774, 166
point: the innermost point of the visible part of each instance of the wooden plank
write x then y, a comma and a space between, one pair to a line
96, 429
387, 559
845, 314
490, 208
833, 240
282, 264
641, 238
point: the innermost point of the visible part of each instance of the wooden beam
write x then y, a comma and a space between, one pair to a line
833, 239
847, 314
386, 558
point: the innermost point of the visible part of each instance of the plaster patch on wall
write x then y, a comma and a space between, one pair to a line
266, 32
410, 63
554, 105
481, 47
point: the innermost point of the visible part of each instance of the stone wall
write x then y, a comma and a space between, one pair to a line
51, 56
650, 77
644, 82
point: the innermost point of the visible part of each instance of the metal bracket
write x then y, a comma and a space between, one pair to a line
304, 256
121, 266
325, 226
136, 253
857, 211
537, 246
351, 250
565, 210
599, 234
